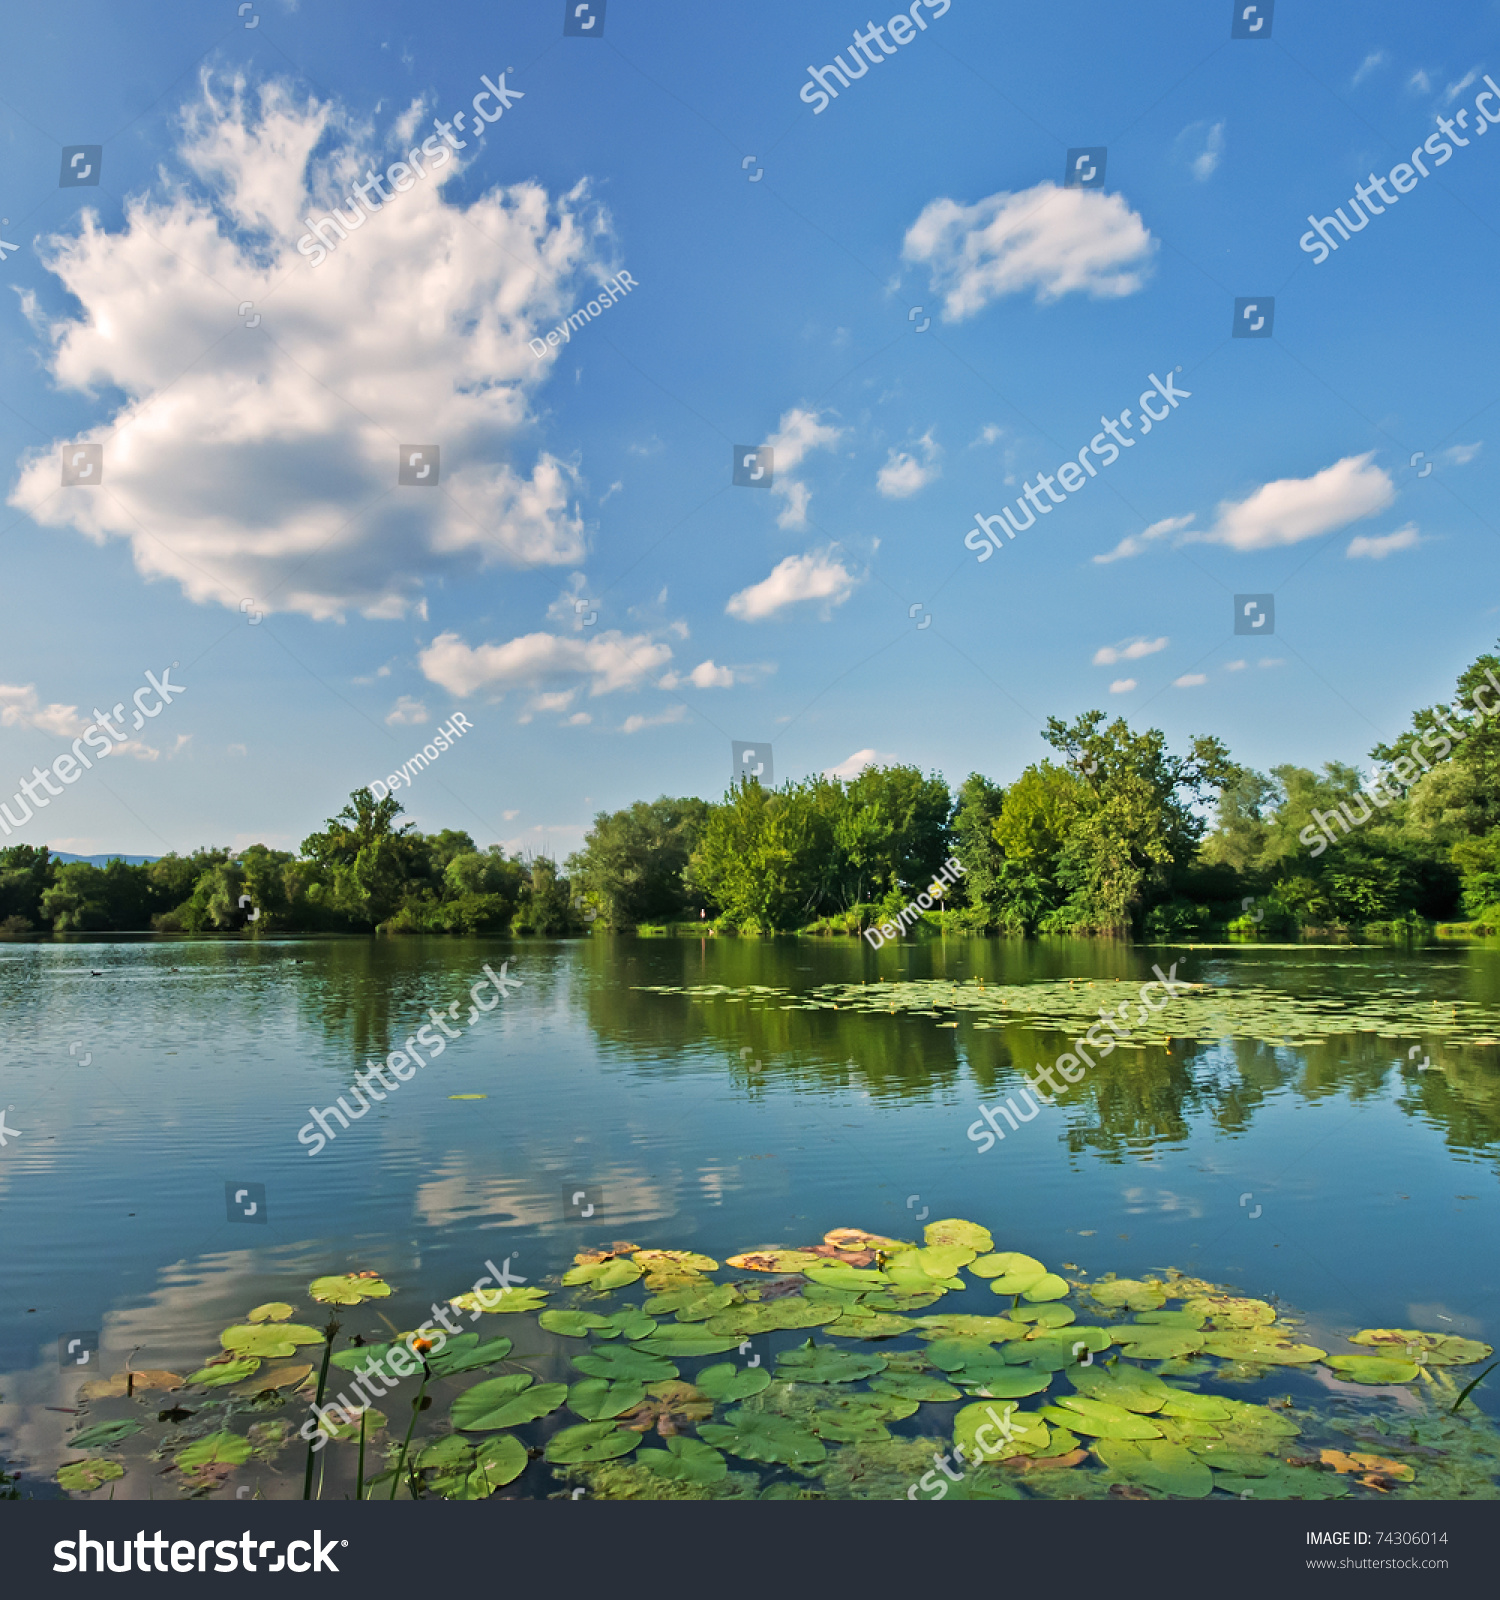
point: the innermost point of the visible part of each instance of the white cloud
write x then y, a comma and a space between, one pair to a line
579, 719
1130, 650
611, 661
1055, 241
988, 434
573, 606
798, 432
1419, 82
1376, 58
855, 764
1201, 145
1122, 686
671, 714
263, 463
815, 576
1454, 90
20, 707
1235, 666
1272, 661
1189, 680
509, 816
903, 474
1293, 509
407, 712
1376, 547
1460, 455
1134, 544
706, 675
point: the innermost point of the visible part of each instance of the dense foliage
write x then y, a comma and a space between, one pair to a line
1116, 836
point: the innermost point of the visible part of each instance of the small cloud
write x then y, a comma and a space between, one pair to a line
1273, 661
554, 702
1134, 544
509, 816
671, 714
856, 764
1376, 58
1122, 686
1235, 666
1419, 82
1376, 547
1200, 146
798, 432
815, 576
183, 741
579, 719
1454, 90
706, 675
1189, 680
650, 448
1290, 510
613, 489
1131, 650
1460, 455
903, 474
988, 434
406, 712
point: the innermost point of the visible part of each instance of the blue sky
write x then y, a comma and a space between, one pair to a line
250, 470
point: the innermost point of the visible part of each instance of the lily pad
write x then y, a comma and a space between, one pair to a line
465, 1352
624, 1363
271, 1311
1435, 1349
857, 1323
269, 1341
572, 1324
461, 1471
686, 1260
1284, 1483
505, 1402
940, 1261
1157, 1464
993, 1329
775, 1260
1008, 1431
694, 1302
1373, 1369
768, 1316
221, 1449
1048, 1287
83, 1477
348, 1289
1011, 1271
603, 1276
918, 1386
1004, 1383
597, 1399
823, 1363
352, 1359
511, 1298
681, 1343
1131, 1293
685, 1461
726, 1383
282, 1377
953, 1353
835, 1274
129, 1383
223, 1373
103, 1434
590, 1441
1157, 1344
954, 1230
1049, 1315
1260, 1345
760, 1436
1085, 1415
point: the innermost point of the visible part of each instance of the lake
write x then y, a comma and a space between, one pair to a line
1346, 1174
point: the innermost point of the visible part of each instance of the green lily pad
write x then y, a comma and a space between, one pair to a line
861, 1324
939, 1261
597, 1399
774, 1260
1285, 1483
615, 1273
954, 1230
221, 1449
1011, 1271
624, 1362
1373, 1369
1004, 1383
572, 1324
461, 1471
83, 1477
1048, 1287
950, 1354
904, 1302
835, 1274
685, 1461
630, 1322
853, 1419
1173, 1319
103, 1434
267, 1341
823, 1363
347, 1289
223, 1373
1157, 1344
1131, 1293
918, 1386
1028, 1433
680, 1342
1049, 1315
725, 1382
464, 1353
791, 1311
511, 1298
1260, 1345
590, 1441
993, 1329
675, 1261
698, 1300
1232, 1311
1127, 1387
271, 1311
1157, 1464
1100, 1417
1435, 1349
505, 1402
356, 1356
760, 1436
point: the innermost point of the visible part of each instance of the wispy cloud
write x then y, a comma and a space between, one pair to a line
1129, 650
1134, 544
903, 474
1376, 547
1122, 686
856, 764
1200, 146
1375, 59
816, 576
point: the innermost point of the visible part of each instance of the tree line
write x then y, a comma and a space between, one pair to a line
1114, 834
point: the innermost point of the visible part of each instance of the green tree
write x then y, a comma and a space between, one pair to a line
632, 866
364, 862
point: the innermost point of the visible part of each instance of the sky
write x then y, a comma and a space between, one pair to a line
894, 289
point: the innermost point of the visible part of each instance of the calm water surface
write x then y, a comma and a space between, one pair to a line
145, 1075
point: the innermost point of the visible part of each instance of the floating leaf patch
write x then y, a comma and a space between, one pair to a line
823, 1363
221, 1449
759, 1436
1436, 1349
1373, 1369
591, 1441
103, 1434
726, 1382
465, 1353
271, 1311
505, 1403
268, 1341
83, 1477
597, 1399
685, 1460
348, 1289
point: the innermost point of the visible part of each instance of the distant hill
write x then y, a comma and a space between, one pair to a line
103, 861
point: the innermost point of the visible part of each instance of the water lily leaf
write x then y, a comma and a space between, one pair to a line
683, 1343
572, 1324
271, 1311
348, 1289
1048, 1287
1008, 1431
685, 1461
221, 1449
1232, 1311
603, 1276
597, 1399
222, 1373
590, 1441
940, 1261
629, 1322
1004, 1383
1054, 1351
623, 1363
671, 1406
1361, 1461
1173, 1319
348, 1432
510, 1298
918, 1386
901, 1301
268, 1341
129, 1383
774, 1260
1128, 1387
1130, 1293
823, 1363
465, 1353
1259, 1344
1285, 1483
1436, 1349
1197, 1407
1011, 1271
357, 1355
505, 1402
952, 1353
686, 1260
473, 1472
726, 1382
953, 1230
857, 1323
103, 1434
699, 1300
993, 1329
1157, 1344
768, 1316
848, 1420
1373, 1369
760, 1436
834, 1274
909, 1282
1157, 1464
1085, 1415
83, 1477
860, 1241
1049, 1315
282, 1377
